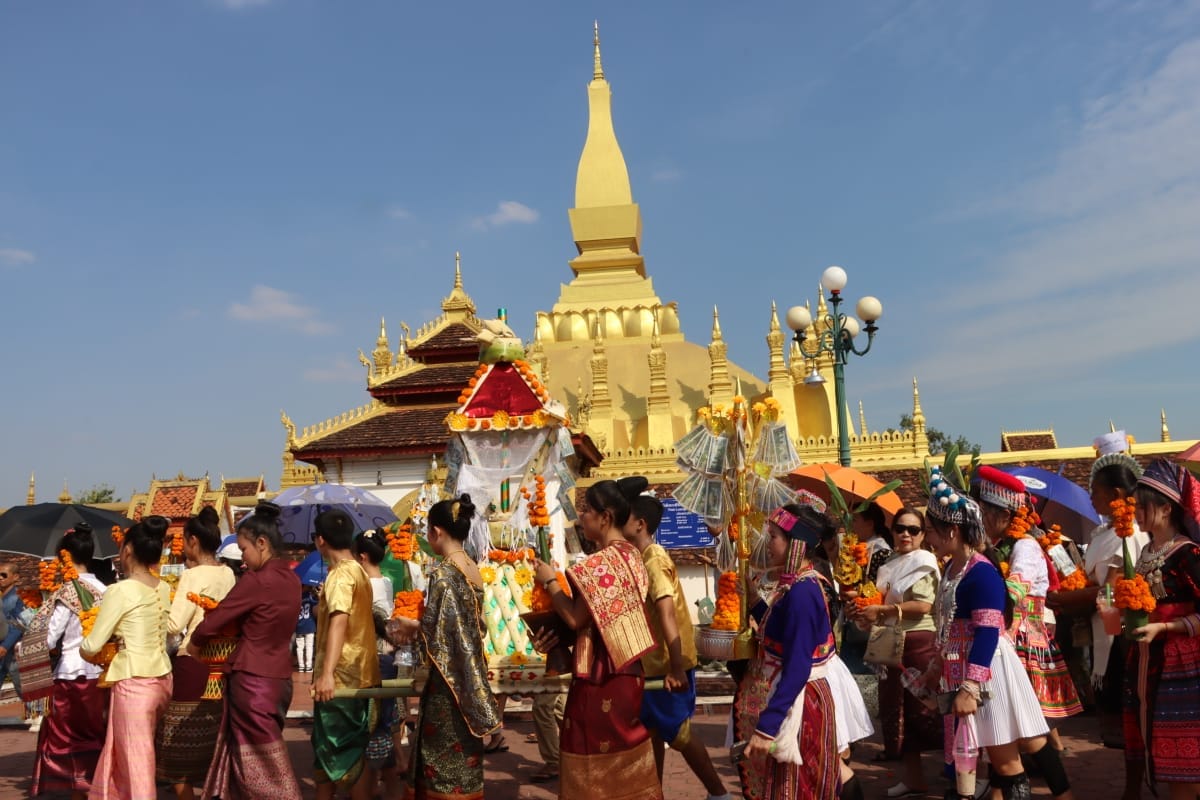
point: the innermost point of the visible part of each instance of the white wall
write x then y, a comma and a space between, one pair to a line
400, 476
691, 578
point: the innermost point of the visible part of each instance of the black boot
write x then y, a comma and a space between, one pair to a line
1013, 787
852, 790
1050, 765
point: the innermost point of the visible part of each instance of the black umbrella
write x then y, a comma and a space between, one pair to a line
35, 530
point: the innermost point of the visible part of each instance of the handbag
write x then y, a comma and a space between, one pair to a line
885, 646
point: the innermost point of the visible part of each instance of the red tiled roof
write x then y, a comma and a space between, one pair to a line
174, 501
242, 488
455, 337
403, 430
451, 377
1018, 442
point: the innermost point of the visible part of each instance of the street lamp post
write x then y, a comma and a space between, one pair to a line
837, 339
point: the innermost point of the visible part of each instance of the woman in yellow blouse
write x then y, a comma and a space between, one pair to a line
134, 611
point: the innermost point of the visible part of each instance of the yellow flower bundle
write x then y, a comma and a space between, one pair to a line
87, 619
868, 595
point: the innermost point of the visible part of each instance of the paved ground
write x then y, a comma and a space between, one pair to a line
1096, 772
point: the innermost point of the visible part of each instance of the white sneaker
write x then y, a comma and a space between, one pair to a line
901, 790
35, 724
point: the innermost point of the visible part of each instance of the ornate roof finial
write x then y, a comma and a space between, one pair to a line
716, 331
918, 414
774, 317
1166, 434
458, 305
1111, 427
862, 420
65, 496
31, 495
655, 334
597, 70
382, 355
457, 270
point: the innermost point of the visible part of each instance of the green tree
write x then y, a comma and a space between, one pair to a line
100, 493
939, 442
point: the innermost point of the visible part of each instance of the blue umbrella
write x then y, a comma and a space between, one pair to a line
302, 504
312, 570
1063, 502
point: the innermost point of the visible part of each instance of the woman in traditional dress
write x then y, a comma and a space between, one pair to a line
251, 760
605, 751
457, 707
784, 709
991, 702
908, 582
134, 611
1030, 577
187, 732
72, 734
1162, 677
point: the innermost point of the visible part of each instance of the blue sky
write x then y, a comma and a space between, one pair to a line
206, 206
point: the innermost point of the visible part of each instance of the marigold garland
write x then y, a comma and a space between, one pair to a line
87, 619
1018, 527
539, 599
1052, 538
48, 576
177, 543
1076, 580
69, 572
1004, 568
32, 598
848, 571
511, 556
539, 514
728, 616
409, 604
402, 542
118, 535
1123, 512
1133, 594
204, 601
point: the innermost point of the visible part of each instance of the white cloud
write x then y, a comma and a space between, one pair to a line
398, 213
277, 306
13, 257
666, 175
341, 370
507, 212
1109, 230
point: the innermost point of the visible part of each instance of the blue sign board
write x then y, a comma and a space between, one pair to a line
681, 528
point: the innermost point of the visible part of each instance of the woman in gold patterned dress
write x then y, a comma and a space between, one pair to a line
457, 708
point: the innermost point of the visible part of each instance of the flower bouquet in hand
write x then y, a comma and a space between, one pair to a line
1131, 593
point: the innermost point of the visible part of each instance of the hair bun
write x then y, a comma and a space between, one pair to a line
156, 526
83, 527
632, 486
466, 509
267, 510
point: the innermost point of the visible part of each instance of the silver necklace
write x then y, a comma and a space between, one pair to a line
1150, 564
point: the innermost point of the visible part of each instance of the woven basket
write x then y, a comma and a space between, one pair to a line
724, 645
216, 654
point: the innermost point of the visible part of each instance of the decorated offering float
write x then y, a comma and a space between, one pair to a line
509, 449
733, 459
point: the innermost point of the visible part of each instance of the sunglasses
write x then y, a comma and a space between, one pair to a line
911, 530
3, 574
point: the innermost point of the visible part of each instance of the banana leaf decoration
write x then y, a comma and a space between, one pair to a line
953, 474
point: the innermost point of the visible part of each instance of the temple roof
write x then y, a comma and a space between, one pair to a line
243, 487
434, 376
457, 338
391, 430
1016, 441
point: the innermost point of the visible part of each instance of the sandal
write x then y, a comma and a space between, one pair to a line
497, 744
531, 738
544, 775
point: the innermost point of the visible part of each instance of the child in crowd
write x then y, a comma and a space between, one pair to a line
345, 659
306, 630
667, 712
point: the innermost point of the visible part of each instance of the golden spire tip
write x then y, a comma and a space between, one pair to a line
457, 270
597, 69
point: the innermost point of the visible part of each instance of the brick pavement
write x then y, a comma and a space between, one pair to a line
1096, 773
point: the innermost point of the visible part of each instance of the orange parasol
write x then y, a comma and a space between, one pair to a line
855, 485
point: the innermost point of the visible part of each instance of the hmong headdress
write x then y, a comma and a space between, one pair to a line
802, 535
1001, 489
950, 504
1178, 485
1112, 448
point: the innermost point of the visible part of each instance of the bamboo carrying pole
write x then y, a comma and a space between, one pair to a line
408, 687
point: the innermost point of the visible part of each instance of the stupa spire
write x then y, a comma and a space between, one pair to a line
382, 354
65, 495
720, 390
1166, 434
537, 356
601, 401
597, 69
658, 401
862, 420
777, 372
31, 495
920, 439
458, 305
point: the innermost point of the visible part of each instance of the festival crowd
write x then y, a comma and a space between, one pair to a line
965, 633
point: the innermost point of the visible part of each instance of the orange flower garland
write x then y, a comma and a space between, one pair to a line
48, 576
118, 535
1052, 538
32, 598
511, 556
1133, 594
860, 552
87, 619
539, 599
728, 616
539, 515
177, 543
69, 572
1076, 580
204, 601
409, 604
1123, 512
402, 542
1022, 521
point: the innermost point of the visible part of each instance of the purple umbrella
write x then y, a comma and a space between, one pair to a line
1062, 502
301, 505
